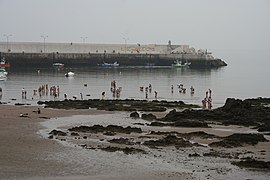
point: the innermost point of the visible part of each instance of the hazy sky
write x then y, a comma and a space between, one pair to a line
213, 24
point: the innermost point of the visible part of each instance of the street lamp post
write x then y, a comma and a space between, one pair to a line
83, 39
44, 38
125, 44
7, 36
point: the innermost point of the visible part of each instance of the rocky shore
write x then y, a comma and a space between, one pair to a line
112, 139
251, 113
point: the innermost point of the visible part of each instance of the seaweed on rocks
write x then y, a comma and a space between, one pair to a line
250, 112
121, 141
149, 117
182, 123
238, 140
135, 115
219, 154
254, 164
117, 105
57, 133
264, 127
109, 128
200, 134
126, 150
156, 123
170, 140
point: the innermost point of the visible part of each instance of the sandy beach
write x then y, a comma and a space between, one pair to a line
26, 154
23, 152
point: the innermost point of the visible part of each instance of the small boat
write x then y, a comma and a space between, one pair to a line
179, 64
4, 64
70, 74
3, 74
115, 64
58, 65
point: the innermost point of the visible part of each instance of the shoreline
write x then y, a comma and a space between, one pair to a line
24, 154
27, 155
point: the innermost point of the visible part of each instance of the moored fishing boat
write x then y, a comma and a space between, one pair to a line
4, 64
70, 74
3, 74
58, 65
115, 64
179, 64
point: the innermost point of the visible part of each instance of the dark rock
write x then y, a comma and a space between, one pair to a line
218, 154
254, 164
264, 127
126, 150
232, 104
200, 134
135, 115
149, 117
236, 140
109, 133
117, 105
170, 140
109, 128
122, 141
189, 123
155, 123
57, 133
194, 155
74, 134
250, 112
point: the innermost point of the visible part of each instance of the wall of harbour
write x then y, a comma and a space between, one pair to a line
18, 60
42, 54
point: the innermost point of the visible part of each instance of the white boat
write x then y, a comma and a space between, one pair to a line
70, 74
3, 74
58, 65
179, 64
115, 64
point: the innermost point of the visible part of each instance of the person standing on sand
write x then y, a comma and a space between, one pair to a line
156, 95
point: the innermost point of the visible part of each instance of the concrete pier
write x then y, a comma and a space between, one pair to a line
79, 54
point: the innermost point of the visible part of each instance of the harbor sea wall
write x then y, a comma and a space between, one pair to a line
18, 60
76, 54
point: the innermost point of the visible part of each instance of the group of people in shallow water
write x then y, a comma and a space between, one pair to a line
182, 89
43, 90
148, 89
115, 90
54, 91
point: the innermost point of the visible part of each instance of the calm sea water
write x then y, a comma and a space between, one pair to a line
243, 78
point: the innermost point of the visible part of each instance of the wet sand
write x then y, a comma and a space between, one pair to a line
26, 154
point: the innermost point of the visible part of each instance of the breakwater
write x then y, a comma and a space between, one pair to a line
18, 60
37, 54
